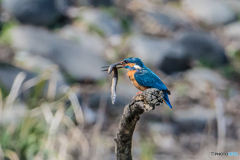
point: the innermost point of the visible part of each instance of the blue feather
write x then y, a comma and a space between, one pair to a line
166, 99
147, 78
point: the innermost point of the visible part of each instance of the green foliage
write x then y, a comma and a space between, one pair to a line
5, 35
207, 63
24, 139
94, 29
148, 150
125, 20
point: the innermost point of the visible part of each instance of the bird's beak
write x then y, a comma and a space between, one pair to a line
117, 65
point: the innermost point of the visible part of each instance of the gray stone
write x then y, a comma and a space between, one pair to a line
37, 12
150, 49
193, 119
79, 61
233, 4
163, 22
210, 12
83, 38
101, 21
97, 2
8, 74
39, 65
232, 30
192, 46
201, 77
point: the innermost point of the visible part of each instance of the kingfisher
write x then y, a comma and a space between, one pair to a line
143, 78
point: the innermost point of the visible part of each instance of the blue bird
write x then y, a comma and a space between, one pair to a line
143, 78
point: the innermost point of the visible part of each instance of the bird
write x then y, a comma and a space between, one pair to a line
143, 78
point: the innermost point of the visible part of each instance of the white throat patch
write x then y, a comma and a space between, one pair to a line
137, 67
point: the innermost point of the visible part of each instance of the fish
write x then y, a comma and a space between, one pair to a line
114, 84
114, 70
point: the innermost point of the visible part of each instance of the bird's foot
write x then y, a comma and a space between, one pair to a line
138, 92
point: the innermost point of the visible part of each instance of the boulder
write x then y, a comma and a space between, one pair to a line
150, 49
193, 119
8, 73
78, 61
37, 12
96, 3
232, 30
190, 46
101, 22
210, 12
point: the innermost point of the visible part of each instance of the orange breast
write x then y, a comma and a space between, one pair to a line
130, 74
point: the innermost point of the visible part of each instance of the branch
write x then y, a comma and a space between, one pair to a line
143, 102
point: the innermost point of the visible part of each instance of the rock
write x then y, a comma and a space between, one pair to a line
192, 46
8, 74
101, 22
84, 38
202, 46
80, 62
193, 119
97, 2
210, 12
232, 30
40, 65
202, 77
150, 49
37, 12
233, 4
162, 22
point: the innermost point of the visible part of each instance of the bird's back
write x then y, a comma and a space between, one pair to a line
148, 78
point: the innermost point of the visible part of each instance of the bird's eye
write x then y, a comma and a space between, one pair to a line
125, 61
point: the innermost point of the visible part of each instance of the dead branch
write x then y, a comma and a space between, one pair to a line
143, 102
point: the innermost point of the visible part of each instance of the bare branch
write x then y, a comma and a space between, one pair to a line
143, 102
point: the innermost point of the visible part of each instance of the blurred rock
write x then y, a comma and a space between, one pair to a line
39, 65
195, 117
150, 49
83, 38
162, 22
101, 21
201, 78
97, 2
233, 4
192, 46
232, 30
210, 12
37, 12
8, 74
80, 62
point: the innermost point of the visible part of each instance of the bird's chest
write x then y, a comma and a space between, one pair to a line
130, 74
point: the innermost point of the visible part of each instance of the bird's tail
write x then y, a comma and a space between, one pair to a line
167, 100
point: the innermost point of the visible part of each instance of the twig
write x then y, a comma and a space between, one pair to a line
143, 102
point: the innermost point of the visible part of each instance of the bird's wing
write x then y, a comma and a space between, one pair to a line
147, 78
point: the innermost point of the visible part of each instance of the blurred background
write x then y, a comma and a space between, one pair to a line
55, 101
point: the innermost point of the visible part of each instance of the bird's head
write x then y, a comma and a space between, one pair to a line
129, 63
132, 63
